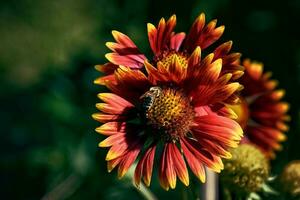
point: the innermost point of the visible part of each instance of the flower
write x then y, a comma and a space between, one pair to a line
261, 112
166, 44
290, 178
173, 106
247, 170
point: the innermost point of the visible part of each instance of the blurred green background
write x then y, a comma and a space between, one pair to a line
47, 53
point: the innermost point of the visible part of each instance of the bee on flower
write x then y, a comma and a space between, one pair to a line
172, 106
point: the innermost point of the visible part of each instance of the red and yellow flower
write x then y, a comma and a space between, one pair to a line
261, 112
173, 105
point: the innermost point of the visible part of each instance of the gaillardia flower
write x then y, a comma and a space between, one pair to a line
261, 112
173, 105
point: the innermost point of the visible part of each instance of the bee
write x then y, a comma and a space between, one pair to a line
149, 97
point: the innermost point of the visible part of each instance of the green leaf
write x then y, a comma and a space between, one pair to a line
269, 190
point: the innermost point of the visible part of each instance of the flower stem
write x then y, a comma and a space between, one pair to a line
142, 189
210, 189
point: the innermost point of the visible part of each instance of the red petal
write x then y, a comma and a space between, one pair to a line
103, 118
223, 110
145, 166
210, 34
170, 172
215, 148
176, 41
231, 63
179, 164
176, 71
111, 128
202, 36
192, 37
223, 49
162, 170
152, 35
131, 61
125, 51
111, 109
107, 68
130, 84
114, 100
265, 137
128, 160
111, 164
194, 163
159, 38
154, 75
117, 150
194, 60
105, 79
112, 140
202, 155
219, 129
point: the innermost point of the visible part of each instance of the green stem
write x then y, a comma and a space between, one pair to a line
142, 189
145, 192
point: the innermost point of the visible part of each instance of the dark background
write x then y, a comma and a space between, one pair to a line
47, 53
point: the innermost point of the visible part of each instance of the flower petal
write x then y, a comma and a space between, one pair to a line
194, 60
145, 166
103, 118
111, 128
108, 69
111, 164
128, 60
176, 41
176, 71
117, 150
194, 163
202, 36
162, 170
221, 130
231, 63
179, 164
170, 168
114, 100
125, 51
265, 137
196, 28
159, 38
104, 79
203, 155
154, 75
130, 84
128, 160
223, 110
112, 140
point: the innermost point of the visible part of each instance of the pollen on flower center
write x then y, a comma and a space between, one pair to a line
169, 111
167, 59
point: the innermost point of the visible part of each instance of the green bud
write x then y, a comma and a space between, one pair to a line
246, 171
290, 178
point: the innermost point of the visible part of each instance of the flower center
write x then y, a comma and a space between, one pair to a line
242, 112
167, 59
169, 111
